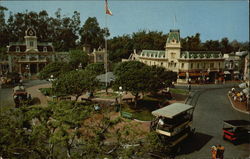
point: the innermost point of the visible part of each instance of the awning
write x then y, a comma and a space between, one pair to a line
227, 72
236, 72
243, 85
246, 91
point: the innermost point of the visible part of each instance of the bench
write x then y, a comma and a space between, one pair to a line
65, 98
127, 100
86, 99
127, 115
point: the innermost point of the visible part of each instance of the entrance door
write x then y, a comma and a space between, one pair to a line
33, 68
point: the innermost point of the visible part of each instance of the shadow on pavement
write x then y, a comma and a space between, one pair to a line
194, 143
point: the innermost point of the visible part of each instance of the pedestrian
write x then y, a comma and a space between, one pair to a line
189, 87
213, 152
220, 152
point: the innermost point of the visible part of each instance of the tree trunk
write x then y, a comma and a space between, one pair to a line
136, 98
77, 96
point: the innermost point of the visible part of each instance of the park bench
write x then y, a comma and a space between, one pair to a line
127, 115
65, 98
86, 99
127, 100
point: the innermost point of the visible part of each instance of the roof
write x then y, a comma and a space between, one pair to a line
237, 123
173, 35
172, 110
201, 54
153, 53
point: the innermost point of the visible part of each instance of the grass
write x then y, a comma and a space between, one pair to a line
179, 91
110, 95
144, 107
46, 91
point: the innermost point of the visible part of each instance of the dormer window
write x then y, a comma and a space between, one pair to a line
44, 49
31, 44
17, 49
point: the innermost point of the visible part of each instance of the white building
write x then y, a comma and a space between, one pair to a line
191, 66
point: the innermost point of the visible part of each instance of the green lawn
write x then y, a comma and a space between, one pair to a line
110, 95
179, 91
144, 107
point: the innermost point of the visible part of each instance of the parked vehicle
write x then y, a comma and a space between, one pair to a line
173, 123
236, 131
21, 96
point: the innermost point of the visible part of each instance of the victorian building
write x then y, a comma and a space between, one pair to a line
30, 56
191, 66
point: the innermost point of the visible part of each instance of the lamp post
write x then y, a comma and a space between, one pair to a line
80, 66
120, 91
28, 70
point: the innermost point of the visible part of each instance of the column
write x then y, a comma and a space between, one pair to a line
37, 67
20, 68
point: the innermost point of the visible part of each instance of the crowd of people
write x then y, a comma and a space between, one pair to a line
237, 96
217, 152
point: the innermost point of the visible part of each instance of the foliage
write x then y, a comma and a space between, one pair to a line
92, 35
75, 83
46, 91
78, 57
96, 68
133, 76
55, 69
160, 78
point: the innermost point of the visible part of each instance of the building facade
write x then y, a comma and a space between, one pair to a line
30, 56
191, 66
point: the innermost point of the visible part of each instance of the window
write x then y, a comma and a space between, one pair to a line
31, 43
198, 65
17, 49
191, 65
182, 65
44, 49
174, 64
172, 55
211, 65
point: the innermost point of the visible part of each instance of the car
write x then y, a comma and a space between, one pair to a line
236, 131
20, 96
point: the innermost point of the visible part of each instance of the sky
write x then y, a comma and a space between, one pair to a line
213, 19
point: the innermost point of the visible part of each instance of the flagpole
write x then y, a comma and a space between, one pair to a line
106, 53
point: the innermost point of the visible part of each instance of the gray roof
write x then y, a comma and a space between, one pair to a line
153, 53
201, 54
110, 77
172, 110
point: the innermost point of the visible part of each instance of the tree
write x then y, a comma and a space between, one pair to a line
133, 76
91, 33
55, 69
160, 78
96, 68
78, 57
75, 83
225, 46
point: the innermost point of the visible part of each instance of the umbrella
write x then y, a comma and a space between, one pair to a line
246, 91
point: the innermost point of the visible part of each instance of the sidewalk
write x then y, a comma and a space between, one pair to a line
239, 106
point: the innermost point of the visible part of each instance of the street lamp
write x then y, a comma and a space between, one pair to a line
80, 66
120, 91
28, 70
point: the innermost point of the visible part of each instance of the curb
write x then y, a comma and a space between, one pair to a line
242, 111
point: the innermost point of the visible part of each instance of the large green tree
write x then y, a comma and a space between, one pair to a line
96, 68
78, 59
133, 76
92, 35
54, 69
75, 83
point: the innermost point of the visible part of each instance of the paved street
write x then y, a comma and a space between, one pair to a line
6, 93
211, 109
